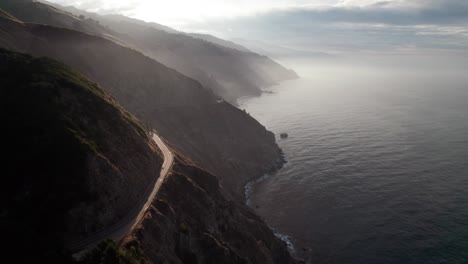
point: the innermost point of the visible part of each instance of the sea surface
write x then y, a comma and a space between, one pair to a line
377, 157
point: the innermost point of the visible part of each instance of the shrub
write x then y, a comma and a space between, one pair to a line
108, 252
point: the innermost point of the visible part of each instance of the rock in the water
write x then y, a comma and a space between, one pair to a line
284, 135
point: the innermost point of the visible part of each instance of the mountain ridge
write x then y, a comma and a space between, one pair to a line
211, 133
87, 159
246, 74
236, 147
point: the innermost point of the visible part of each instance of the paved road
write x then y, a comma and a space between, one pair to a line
120, 229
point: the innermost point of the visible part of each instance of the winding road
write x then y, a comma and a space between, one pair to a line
122, 228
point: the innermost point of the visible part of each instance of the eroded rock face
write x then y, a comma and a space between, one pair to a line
192, 222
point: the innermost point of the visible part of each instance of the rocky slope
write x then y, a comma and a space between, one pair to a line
198, 218
79, 161
73, 152
229, 72
214, 134
192, 222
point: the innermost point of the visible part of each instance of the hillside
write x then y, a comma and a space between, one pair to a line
77, 162
5, 14
218, 41
36, 12
229, 72
192, 222
72, 154
123, 18
217, 136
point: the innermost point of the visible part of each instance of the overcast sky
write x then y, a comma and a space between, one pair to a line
321, 25
179, 12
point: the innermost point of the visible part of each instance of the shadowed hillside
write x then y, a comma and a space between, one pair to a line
216, 135
72, 155
78, 162
192, 222
229, 70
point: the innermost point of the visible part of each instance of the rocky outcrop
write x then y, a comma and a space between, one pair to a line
192, 222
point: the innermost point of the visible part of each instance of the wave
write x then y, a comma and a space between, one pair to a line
248, 188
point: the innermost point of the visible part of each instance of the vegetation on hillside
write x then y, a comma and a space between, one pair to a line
49, 114
46, 154
180, 108
108, 252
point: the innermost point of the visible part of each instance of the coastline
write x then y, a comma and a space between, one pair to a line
277, 165
248, 189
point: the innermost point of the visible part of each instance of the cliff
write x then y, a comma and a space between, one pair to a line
192, 222
216, 135
229, 73
227, 69
90, 160
73, 153
79, 162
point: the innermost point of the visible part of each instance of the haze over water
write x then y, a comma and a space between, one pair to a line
377, 156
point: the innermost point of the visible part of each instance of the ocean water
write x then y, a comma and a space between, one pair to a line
377, 166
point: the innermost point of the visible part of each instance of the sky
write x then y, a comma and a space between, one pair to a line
177, 13
330, 26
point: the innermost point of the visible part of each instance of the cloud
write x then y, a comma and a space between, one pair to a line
189, 9
356, 25
378, 13
323, 25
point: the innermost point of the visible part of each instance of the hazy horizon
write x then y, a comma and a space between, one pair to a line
310, 28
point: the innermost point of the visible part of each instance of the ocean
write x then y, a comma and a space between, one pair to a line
377, 160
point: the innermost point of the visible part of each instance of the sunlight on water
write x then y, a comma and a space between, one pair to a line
377, 166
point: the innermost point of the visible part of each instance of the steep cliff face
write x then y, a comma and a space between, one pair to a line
214, 134
228, 71
90, 160
225, 141
192, 222
72, 158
